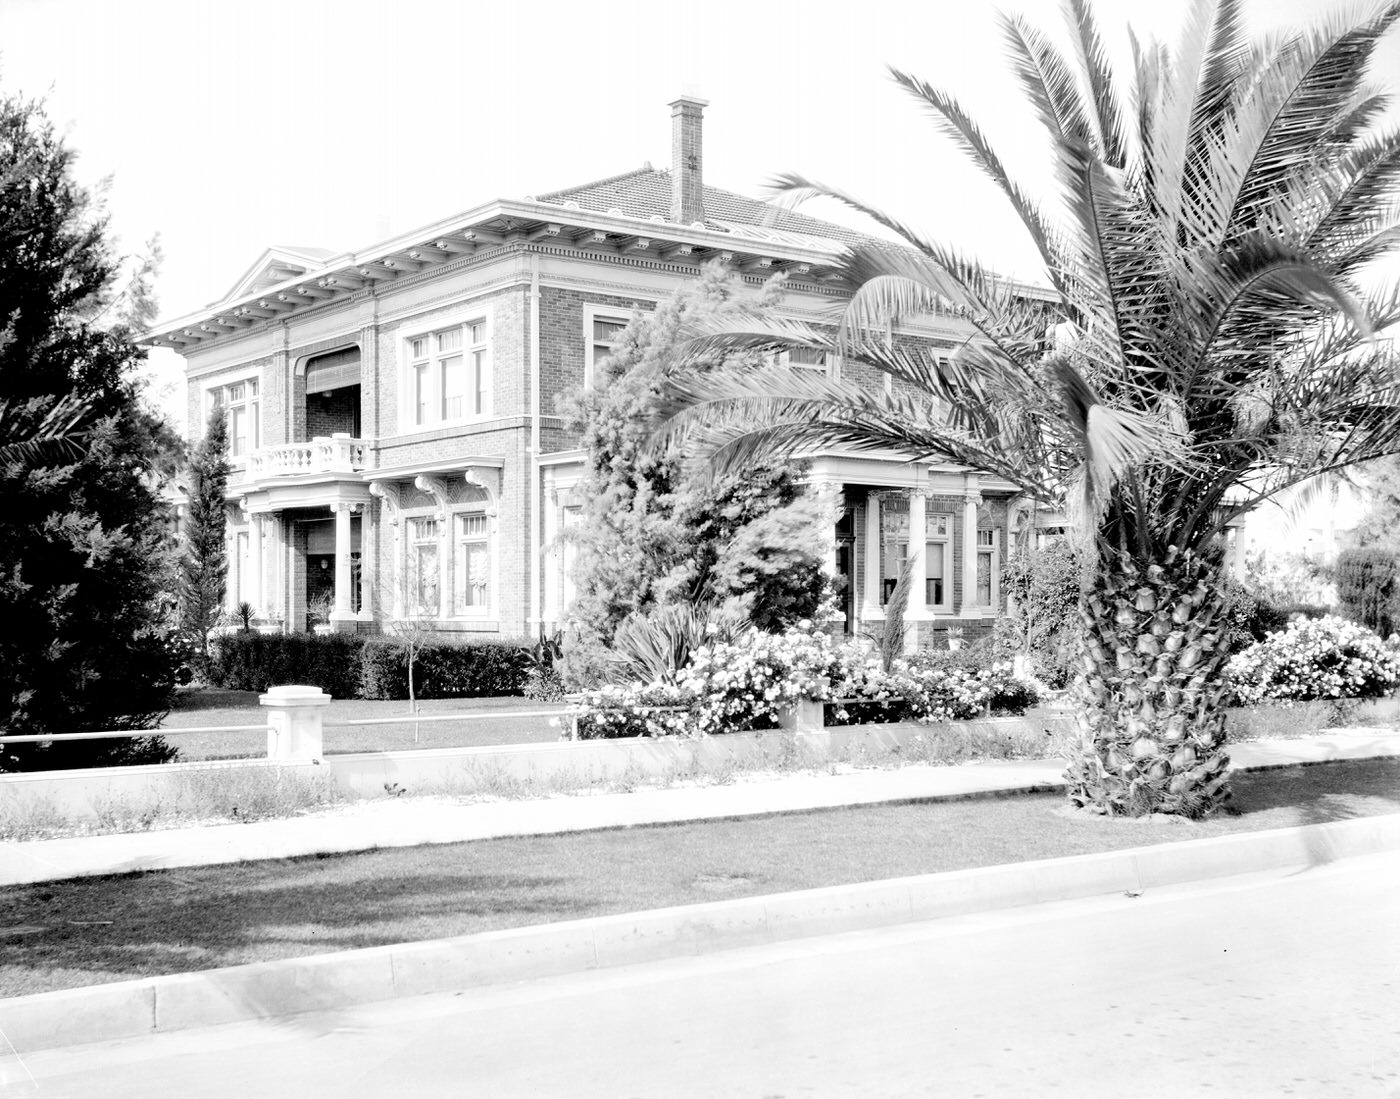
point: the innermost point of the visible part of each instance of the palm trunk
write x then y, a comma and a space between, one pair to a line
1151, 700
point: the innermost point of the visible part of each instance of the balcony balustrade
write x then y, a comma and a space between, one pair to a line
337, 454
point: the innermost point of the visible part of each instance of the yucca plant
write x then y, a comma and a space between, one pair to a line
652, 646
1202, 345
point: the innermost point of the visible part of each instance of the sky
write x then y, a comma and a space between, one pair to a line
229, 127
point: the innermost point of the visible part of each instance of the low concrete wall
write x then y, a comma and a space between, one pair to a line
562, 764
566, 764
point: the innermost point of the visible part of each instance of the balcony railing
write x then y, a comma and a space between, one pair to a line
338, 454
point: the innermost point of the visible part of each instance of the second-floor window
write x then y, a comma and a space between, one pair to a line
239, 400
449, 374
602, 335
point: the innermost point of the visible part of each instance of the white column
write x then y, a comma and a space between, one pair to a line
918, 535
874, 544
971, 501
552, 609
446, 564
254, 586
829, 493
276, 591
343, 611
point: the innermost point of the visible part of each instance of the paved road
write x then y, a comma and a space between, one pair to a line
1273, 985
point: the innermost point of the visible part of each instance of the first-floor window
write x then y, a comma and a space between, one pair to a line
938, 577
986, 567
472, 565
423, 565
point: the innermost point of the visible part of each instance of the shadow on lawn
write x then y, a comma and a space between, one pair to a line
168, 925
1319, 794
194, 699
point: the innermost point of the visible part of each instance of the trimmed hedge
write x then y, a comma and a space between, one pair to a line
255, 662
478, 669
350, 666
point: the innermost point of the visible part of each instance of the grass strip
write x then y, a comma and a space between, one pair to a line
135, 925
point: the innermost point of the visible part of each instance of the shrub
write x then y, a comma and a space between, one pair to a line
1043, 591
255, 662
444, 669
1315, 658
1368, 588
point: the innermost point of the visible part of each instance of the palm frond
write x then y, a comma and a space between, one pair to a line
1111, 132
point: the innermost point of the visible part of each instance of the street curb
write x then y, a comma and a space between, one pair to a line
132, 1009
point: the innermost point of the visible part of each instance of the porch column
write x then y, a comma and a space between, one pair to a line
276, 591
874, 546
551, 610
918, 596
344, 611
254, 586
972, 499
829, 493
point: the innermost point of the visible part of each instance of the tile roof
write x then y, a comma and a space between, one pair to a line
646, 193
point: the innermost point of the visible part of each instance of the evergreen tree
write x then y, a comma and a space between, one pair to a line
205, 560
657, 531
86, 560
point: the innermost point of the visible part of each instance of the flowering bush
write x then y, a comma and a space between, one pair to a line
940, 689
747, 683
1316, 658
614, 711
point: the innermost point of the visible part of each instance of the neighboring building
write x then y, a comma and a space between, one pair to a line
395, 448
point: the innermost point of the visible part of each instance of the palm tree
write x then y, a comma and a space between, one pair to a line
1208, 347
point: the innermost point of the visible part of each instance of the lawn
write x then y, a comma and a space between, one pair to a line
205, 706
116, 928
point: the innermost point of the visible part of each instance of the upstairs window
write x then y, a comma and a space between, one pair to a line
601, 333
240, 403
448, 374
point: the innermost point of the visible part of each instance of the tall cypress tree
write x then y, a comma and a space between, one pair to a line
86, 559
205, 560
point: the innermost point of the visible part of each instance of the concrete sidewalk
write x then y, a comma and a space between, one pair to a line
407, 822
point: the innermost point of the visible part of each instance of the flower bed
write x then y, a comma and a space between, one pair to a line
747, 684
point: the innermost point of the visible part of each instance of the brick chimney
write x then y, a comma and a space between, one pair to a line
687, 159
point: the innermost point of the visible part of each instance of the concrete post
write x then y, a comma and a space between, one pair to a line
805, 716
294, 715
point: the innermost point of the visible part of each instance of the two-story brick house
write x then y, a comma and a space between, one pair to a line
395, 445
